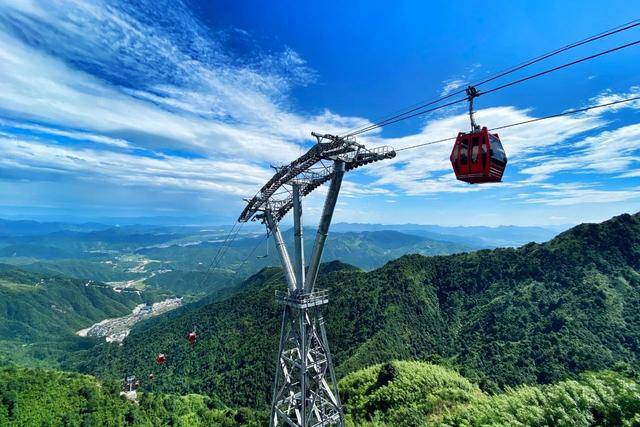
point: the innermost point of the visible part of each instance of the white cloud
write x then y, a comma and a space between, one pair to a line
427, 169
42, 161
215, 108
137, 86
606, 153
609, 96
72, 134
566, 195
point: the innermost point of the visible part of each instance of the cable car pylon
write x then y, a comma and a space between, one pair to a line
305, 391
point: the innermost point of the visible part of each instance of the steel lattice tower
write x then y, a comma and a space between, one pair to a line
305, 391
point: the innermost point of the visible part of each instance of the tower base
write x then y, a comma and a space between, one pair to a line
305, 391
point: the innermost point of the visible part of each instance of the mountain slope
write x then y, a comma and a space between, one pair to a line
420, 394
40, 397
503, 317
35, 306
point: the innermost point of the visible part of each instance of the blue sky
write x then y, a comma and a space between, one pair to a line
163, 108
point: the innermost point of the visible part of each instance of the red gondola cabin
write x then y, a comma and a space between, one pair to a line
478, 157
161, 358
192, 337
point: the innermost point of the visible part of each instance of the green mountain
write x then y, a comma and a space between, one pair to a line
367, 250
189, 263
35, 306
403, 394
30, 397
420, 394
503, 317
39, 314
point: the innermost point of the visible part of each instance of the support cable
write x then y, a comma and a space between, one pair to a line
416, 111
559, 67
627, 26
497, 88
565, 113
222, 250
244, 261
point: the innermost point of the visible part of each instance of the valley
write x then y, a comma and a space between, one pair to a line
176, 259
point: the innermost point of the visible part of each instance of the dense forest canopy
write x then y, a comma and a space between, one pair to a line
420, 394
403, 394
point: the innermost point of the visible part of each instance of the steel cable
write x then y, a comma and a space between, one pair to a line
565, 113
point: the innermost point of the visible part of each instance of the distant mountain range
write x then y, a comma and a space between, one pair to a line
502, 236
366, 249
175, 258
95, 251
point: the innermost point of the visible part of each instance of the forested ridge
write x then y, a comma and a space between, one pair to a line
40, 313
421, 394
538, 314
37, 397
403, 394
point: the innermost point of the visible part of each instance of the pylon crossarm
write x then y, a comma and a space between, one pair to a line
309, 171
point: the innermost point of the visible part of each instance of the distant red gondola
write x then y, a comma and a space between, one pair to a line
478, 156
161, 358
192, 337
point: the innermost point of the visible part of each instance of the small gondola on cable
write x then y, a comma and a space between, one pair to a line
161, 358
192, 337
478, 156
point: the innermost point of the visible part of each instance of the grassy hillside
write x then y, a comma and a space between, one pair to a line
420, 394
39, 314
536, 314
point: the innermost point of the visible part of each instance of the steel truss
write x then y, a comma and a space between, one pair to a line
305, 391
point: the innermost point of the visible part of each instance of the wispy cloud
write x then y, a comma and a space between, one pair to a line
451, 86
164, 95
579, 194
67, 133
33, 160
454, 83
